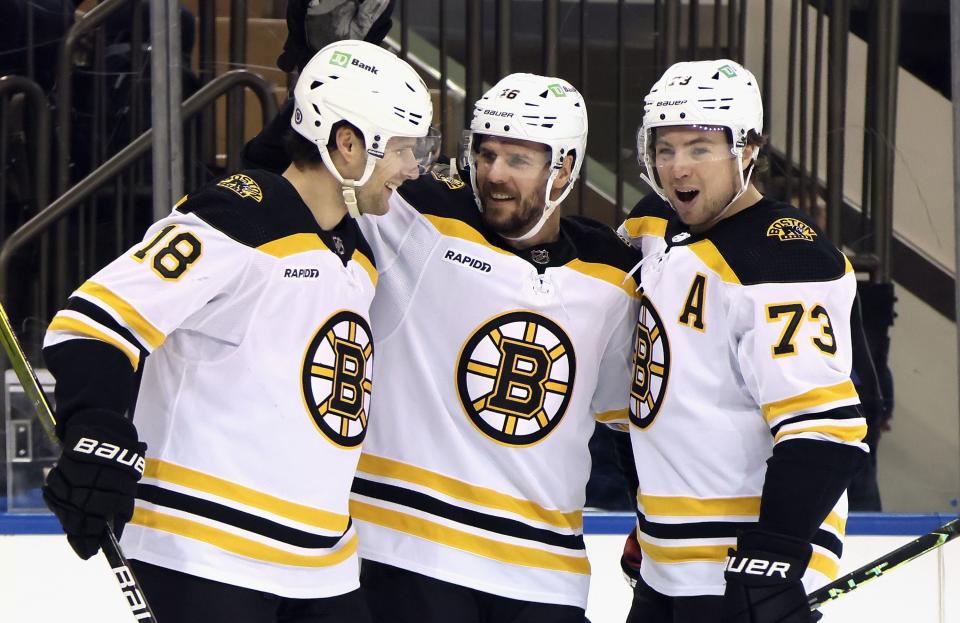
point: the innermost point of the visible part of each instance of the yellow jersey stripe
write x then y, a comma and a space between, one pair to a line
193, 479
73, 325
612, 416
458, 229
464, 541
237, 544
847, 266
836, 522
474, 494
293, 244
808, 400
711, 256
366, 265
645, 225
846, 434
603, 272
127, 312
824, 564
676, 506
689, 553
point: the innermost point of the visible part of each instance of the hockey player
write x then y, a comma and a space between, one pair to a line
744, 421
240, 329
503, 332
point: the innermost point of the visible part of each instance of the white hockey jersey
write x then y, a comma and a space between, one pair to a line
743, 342
254, 396
492, 367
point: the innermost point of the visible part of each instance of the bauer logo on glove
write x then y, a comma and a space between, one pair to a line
108, 451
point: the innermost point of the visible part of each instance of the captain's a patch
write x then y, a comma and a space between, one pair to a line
243, 185
791, 229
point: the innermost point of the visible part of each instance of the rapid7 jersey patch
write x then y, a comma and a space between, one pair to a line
515, 375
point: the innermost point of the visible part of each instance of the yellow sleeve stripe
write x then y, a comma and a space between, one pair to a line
845, 434
459, 229
127, 313
603, 272
186, 477
847, 266
366, 264
836, 522
645, 226
619, 415
824, 564
292, 245
482, 496
809, 400
712, 258
482, 546
74, 325
676, 506
237, 544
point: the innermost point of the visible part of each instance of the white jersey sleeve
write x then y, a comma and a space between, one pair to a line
794, 353
138, 299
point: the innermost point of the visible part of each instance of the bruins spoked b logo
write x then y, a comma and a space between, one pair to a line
515, 376
336, 378
651, 366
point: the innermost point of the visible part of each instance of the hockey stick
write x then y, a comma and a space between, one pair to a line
888, 562
136, 600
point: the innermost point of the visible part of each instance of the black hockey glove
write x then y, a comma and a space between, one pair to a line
95, 480
763, 580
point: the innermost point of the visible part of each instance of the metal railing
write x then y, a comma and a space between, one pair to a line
573, 39
116, 165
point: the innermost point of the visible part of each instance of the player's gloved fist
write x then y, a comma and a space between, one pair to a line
95, 479
763, 580
631, 559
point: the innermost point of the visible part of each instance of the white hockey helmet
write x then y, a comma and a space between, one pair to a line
369, 87
533, 108
712, 94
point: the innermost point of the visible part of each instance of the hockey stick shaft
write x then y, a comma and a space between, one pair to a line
122, 572
886, 563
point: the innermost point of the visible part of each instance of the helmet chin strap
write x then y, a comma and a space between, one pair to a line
349, 191
549, 205
744, 182
348, 187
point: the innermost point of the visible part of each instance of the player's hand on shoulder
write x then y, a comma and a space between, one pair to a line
764, 580
95, 480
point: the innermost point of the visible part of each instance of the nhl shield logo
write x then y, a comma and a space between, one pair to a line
336, 378
515, 376
338, 245
540, 256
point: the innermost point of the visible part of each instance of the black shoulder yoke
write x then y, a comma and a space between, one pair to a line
253, 207
773, 242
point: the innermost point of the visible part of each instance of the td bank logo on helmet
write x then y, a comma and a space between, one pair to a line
342, 59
